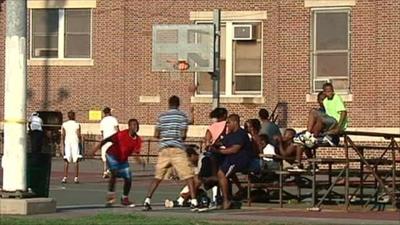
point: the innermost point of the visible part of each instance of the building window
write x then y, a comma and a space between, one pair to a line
241, 61
61, 33
330, 55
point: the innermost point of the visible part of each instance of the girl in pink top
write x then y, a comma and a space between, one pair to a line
217, 128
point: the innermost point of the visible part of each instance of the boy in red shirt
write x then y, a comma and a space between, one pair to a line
124, 144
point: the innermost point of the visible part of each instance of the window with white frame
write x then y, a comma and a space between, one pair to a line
241, 61
330, 55
61, 33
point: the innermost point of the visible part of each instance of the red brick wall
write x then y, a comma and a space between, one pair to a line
122, 63
376, 64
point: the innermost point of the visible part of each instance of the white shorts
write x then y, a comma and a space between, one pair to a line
104, 149
71, 152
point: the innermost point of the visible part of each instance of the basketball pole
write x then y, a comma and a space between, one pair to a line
14, 158
216, 73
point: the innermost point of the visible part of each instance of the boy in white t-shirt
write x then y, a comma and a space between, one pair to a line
70, 139
108, 126
36, 132
269, 164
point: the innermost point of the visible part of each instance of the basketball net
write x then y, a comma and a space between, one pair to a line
180, 66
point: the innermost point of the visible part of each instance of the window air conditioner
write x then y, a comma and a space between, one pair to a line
318, 83
243, 32
44, 52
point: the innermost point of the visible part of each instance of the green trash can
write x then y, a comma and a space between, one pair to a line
38, 173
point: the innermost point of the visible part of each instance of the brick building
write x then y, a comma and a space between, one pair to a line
84, 55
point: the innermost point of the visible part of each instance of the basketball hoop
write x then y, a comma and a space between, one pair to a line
177, 67
180, 65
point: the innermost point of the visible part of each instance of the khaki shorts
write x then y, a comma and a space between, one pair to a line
176, 158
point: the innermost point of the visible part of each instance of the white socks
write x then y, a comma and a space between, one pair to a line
147, 200
180, 201
214, 194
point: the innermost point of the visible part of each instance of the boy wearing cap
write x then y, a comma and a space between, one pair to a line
108, 126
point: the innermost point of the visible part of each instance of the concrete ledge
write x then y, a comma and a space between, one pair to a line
229, 15
27, 206
328, 3
60, 62
314, 97
229, 100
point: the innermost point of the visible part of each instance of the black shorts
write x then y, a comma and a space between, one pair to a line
232, 166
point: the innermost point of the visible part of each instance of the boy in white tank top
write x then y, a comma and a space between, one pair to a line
70, 139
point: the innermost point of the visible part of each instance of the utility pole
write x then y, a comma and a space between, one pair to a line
217, 68
14, 158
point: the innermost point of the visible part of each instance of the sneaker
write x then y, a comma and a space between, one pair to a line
297, 168
64, 180
76, 180
299, 139
213, 205
306, 139
125, 202
203, 208
194, 208
384, 198
146, 205
328, 139
310, 141
110, 199
106, 174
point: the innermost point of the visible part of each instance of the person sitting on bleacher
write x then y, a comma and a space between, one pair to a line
252, 127
290, 150
237, 150
209, 163
269, 151
268, 127
326, 125
184, 195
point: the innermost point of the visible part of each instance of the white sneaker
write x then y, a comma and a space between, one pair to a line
307, 135
64, 180
194, 208
76, 180
310, 141
305, 138
328, 139
147, 205
106, 174
213, 205
299, 140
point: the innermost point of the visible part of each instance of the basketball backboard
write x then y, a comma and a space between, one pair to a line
192, 44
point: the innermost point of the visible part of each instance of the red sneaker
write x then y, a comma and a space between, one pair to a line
125, 202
